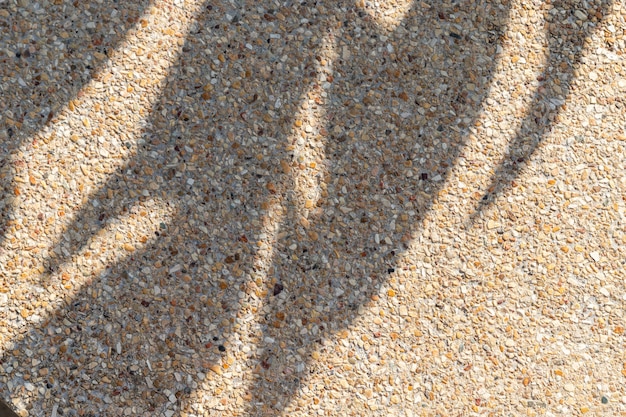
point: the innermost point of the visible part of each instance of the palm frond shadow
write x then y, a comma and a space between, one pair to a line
48, 56
550, 98
205, 262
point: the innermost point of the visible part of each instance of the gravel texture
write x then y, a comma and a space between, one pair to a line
257, 208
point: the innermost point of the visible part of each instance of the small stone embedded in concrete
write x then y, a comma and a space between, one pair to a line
294, 208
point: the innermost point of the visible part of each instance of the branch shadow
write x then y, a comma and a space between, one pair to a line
237, 246
555, 84
48, 53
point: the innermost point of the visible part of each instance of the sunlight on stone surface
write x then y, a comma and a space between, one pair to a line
304, 174
112, 142
454, 293
389, 15
91, 262
514, 61
302, 181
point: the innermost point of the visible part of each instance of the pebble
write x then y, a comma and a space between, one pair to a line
270, 208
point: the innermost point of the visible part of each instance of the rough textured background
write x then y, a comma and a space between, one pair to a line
313, 208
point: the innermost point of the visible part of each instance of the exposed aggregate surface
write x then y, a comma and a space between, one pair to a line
301, 208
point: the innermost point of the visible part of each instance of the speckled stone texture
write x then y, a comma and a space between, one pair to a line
299, 208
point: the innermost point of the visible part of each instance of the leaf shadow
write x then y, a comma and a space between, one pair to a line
50, 51
211, 272
555, 85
